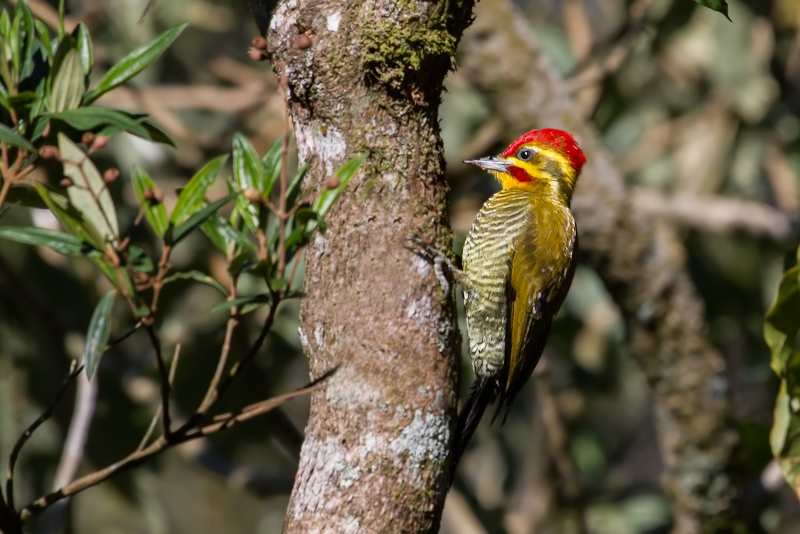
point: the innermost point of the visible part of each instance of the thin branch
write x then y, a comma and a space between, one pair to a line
161, 444
284, 83
212, 393
716, 213
123, 337
597, 71
165, 382
12, 460
172, 369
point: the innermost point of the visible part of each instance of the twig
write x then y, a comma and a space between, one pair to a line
12, 460
598, 71
123, 337
165, 382
212, 393
716, 213
161, 444
284, 83
172, 369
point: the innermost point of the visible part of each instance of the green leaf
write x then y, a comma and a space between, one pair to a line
248, 171
221, 233
197, 276
134, 63
66, 244
272, 165
263, 298
44, 36
23, 12
70, 218
68, 84
83, 42
782, 322
89, 193
97, 335
13, 138
88, 118
325, 200
178, 233
193, 195
155, 215
717, 5
140, 261
294, 187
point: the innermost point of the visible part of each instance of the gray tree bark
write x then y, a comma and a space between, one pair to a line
641, 262
378, 436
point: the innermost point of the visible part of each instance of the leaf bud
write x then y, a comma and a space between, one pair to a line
49, 152
302, 41
332, 182
111, 175
99, 142
259, 43
142, 278
252, 194
148, 321
148, 194
87, 138
158, 196
65, 182
257, 55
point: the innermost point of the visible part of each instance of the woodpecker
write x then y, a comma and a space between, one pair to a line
518, 264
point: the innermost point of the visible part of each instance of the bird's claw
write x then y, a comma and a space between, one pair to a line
437, 257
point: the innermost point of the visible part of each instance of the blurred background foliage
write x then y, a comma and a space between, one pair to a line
697, 108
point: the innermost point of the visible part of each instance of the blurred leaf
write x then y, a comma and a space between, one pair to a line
221, 233
97, 335
89, 193
22, 11
134, 63
113, 275
197, 276
155, 215
68, 84
177, 233
240, 262
26, 196
717, 5
83, 42
782, 322
325, 200
44, 36
11, 137
66, 244
248, 171
263, 298
150, 131
88, 118
193, 195
272, 166
294, 187
140, 261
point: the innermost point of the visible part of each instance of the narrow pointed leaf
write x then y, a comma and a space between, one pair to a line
88, 118
720, 6
155, 215
782, 322
66, 244
13, 138
262, 299
193, 195
248, 171
272, 165
325, 200
179, 232
97, 335
134, 63
83, 43
221, 233
70, 218
197, 276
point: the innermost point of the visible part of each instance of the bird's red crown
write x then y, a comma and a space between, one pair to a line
556, 139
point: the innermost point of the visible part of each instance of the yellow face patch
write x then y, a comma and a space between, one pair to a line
534, 168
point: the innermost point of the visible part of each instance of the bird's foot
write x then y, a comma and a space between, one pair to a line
439, 260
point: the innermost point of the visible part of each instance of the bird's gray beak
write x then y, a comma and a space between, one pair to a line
490, 164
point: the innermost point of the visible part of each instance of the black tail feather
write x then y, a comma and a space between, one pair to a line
484, 391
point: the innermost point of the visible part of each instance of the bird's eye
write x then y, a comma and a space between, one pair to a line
525, 154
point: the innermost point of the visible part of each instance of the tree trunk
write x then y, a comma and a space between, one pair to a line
378, 436
640, 260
